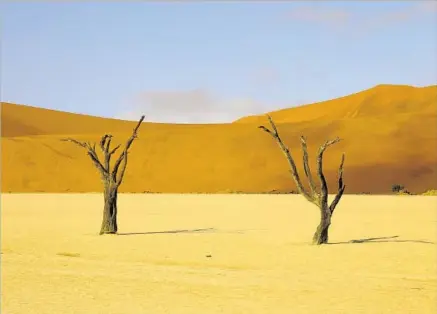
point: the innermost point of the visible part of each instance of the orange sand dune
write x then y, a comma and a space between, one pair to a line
381, 100
20, 120
389, 132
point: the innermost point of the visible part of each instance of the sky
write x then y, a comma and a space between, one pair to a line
209, 61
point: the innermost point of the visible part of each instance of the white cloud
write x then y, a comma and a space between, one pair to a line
419, 9
318, 14
192, 106
343, 18
265, 76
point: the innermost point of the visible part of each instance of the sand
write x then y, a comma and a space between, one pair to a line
217, 254
389, 134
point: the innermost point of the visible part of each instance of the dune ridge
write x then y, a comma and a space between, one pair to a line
381, 100
389, 132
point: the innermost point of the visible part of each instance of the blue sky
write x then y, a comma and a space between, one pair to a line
209, 62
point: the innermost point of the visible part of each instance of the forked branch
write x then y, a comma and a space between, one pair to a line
105, 146
123, 156
314, 196
275, 134
319, 198
341, 187
91, 151
323, 185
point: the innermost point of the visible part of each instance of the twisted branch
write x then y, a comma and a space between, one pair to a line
105, 146
317, 197
341, 187
323, 185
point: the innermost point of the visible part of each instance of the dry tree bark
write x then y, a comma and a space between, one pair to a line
111, 179
319, 197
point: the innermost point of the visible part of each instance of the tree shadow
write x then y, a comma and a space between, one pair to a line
205, 230
383, 240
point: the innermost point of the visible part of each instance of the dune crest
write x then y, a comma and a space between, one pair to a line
381, 100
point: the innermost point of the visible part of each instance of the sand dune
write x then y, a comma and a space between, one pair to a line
21, 120
217, 254
379, 101
389, 137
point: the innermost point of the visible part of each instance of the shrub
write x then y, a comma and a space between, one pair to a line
397, 188
404, 192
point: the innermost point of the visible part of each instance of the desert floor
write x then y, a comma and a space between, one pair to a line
217, 254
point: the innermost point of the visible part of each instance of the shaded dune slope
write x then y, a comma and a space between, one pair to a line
389, 132
20, 120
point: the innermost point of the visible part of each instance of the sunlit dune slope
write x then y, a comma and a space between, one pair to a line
381, 100
381, 149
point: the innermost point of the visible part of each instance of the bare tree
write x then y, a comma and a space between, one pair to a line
319, 197
111, 178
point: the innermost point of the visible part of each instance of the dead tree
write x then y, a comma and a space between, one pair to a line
111, 178
315, 195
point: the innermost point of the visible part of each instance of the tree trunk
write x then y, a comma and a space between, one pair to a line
109, 223
321, 234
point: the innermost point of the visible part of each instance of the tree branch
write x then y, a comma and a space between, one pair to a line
105, 142
341, 186
267, 130
323, 185
124, 153
105, 145
105, 137
91, 151
122, 171
108, 144
307, 168
114, 150
82, 144
290, 160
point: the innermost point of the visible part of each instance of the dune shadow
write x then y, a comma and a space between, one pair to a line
383, 240
204, 230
